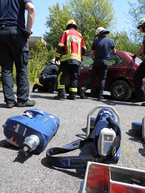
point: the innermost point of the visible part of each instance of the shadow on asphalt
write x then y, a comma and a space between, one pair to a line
21, 158
136, 136
78, 173
107, 99
5, 144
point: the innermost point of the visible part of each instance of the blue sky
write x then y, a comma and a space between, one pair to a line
121, 8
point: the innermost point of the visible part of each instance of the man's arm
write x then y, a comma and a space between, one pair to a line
113, 50
31, 15
140, 50
92, 54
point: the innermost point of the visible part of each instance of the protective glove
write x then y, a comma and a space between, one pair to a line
133, 56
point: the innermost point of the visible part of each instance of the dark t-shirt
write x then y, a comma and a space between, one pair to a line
12, 12
102, 47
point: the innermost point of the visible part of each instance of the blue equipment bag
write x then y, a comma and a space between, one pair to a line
139, 127
105, 135
31, 131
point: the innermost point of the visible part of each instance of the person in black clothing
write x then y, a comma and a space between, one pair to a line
100, 53
140, 72
14, 48
48, 78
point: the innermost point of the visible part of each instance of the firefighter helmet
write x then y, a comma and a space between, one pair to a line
101, 30
71, 23
141, 22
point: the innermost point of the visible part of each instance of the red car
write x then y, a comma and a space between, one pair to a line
119, 79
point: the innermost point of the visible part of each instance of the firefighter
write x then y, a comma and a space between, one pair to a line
100, 53
140, 72
70, 51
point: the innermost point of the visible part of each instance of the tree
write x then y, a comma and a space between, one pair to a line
56, 23
123, 42
136, 12
91, 14
88, 14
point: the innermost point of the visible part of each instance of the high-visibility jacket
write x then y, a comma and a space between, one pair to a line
71, 46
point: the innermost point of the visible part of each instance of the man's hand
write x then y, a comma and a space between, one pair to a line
133, 56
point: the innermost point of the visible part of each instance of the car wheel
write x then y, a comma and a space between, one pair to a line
120, 90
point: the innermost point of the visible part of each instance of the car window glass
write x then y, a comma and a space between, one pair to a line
115, 60
138, 60
87, 61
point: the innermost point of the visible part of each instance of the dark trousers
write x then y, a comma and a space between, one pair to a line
99, 69
49, 83
14, 48
68, 69
138, 80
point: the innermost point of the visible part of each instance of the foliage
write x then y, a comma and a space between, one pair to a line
136, 12
88, 14
122, 42
39, 58
56, 22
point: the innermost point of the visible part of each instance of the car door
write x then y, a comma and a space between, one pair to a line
85, 70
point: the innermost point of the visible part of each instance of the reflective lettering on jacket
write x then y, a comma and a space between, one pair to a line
71, 46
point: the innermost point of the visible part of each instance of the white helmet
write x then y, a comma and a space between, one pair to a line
52, 61
101, 30
141, 22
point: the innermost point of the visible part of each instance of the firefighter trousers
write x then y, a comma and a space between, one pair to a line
68, 75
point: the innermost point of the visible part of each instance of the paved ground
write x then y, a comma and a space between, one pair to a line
34, 175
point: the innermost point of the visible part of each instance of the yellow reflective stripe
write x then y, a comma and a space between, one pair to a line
60, 86
60, 44
73, 89
69, 57
68, 45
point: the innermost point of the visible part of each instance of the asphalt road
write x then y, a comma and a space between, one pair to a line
34, 175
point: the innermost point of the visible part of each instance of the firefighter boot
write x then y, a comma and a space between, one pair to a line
71, 96
60, 96
82, 92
